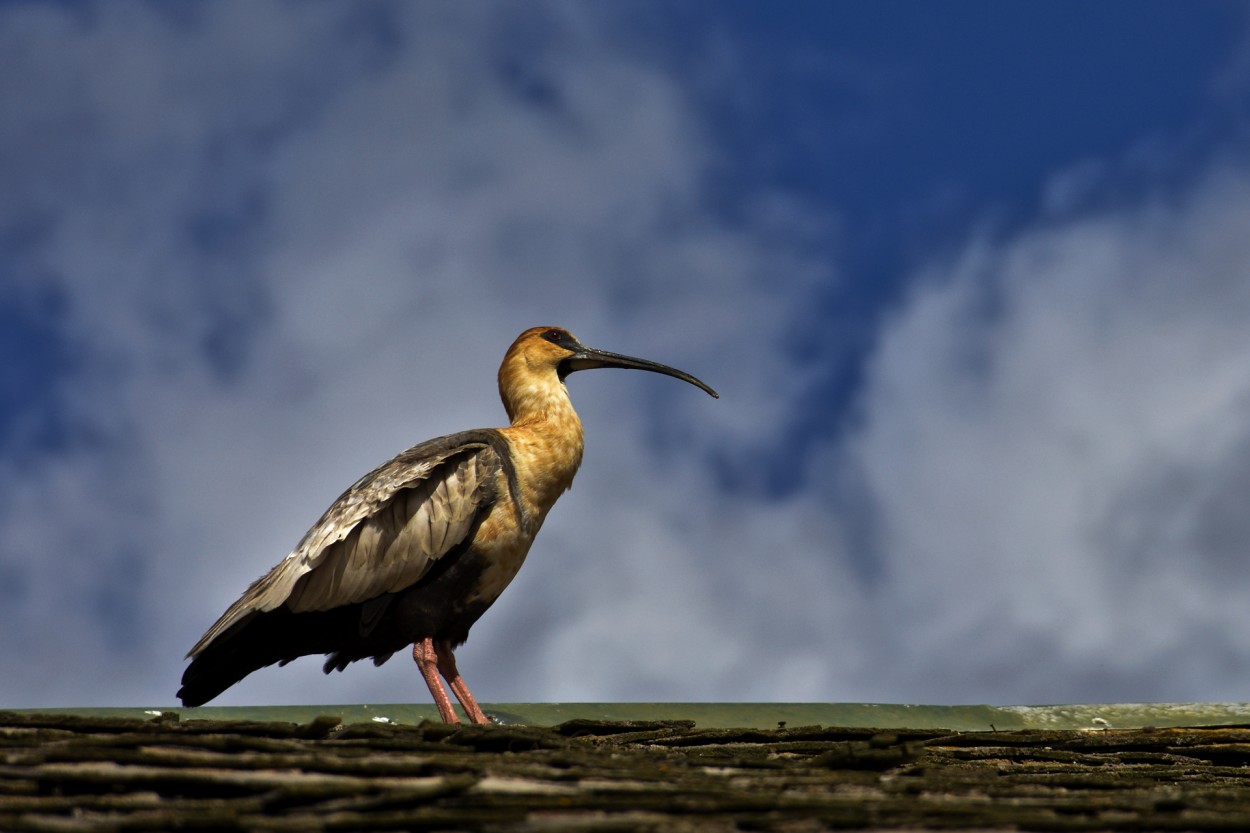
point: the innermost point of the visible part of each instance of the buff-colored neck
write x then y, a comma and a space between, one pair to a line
545, 434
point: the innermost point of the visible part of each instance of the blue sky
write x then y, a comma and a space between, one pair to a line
970, 277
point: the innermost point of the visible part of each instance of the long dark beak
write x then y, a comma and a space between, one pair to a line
588, 358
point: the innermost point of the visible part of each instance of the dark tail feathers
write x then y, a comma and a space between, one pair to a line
270, 638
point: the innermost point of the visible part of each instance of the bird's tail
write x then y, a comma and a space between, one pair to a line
263, 639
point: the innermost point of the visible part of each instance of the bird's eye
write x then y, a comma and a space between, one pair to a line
560, 338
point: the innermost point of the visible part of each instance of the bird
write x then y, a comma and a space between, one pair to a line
414, 552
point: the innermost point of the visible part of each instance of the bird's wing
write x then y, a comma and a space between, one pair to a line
384, 532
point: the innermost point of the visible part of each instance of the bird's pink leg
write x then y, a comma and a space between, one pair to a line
429, 660
447, 665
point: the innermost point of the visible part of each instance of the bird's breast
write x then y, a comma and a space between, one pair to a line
545, 457
544, 462
502, 556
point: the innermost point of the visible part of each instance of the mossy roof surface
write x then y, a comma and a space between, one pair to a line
66, 772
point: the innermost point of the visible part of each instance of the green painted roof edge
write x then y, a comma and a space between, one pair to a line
742, 715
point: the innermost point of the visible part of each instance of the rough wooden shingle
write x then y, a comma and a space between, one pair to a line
73, 773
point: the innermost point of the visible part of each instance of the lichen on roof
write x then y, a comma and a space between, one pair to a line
71, 772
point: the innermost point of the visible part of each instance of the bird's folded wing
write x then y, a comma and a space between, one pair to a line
382, 534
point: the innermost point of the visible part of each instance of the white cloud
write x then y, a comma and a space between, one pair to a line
1053, 425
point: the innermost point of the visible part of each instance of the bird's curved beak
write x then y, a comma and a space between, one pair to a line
588, 358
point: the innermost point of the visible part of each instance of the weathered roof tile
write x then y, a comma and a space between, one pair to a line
77, 773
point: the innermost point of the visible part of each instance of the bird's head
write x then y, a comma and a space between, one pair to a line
538, 361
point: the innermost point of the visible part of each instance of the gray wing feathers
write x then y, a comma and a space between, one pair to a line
380, 536
393, 548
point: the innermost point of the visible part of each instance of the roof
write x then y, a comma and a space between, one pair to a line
743, 715
71, 772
